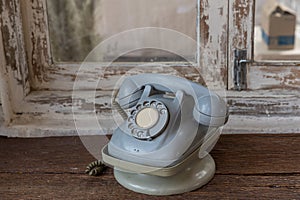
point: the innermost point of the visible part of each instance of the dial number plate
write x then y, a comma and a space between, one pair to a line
148, 119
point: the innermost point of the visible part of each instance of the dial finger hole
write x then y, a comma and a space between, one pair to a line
140, 134
138, 107
130, 126
130, 119
153, 104
159, 106
163, 111
134, 131
133, 112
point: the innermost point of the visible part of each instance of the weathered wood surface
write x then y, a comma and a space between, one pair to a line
246, 103
44, 75
14, 67
49, 113
248, 167
36, 35
48, 106
213, 42
262, 74
106, 75
270, 77
219, 33
240, 33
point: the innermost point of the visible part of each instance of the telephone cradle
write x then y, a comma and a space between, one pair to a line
162, 147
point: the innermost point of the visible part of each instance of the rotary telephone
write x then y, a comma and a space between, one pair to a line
168, 120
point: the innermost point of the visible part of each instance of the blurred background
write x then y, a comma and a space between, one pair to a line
77, 26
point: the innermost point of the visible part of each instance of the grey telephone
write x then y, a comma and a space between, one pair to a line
169, 118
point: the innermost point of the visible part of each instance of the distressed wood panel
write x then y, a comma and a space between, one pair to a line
243, 124
241, 32
262, 74
266, 103
272, 77
50, 103
49, 113
14, 66
259, 103
7, 113
100, 76
36, 34
42, 112
45, 76
27, 126
213, 42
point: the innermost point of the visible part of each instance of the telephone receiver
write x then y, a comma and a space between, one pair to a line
209, 109
170, 126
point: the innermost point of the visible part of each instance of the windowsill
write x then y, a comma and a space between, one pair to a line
261, 51
43, 114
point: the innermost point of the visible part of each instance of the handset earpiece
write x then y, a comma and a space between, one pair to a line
210, 110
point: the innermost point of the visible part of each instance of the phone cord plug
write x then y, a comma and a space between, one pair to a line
95, 168
117, 106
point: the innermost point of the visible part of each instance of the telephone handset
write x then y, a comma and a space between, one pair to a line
209, 109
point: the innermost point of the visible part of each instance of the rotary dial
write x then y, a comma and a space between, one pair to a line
148, 119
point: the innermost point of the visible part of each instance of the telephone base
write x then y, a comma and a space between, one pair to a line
197, 173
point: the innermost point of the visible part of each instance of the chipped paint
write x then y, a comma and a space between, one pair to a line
37, 40
260, 75
109, 76
241, 23
15, 65
272, 77
45, 76
42, 111
213, 37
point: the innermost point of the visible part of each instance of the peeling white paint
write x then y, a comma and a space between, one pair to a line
14, 63
42, 112
213, 51
268, 77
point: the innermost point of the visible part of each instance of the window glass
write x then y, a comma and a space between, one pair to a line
77, 26
277, 30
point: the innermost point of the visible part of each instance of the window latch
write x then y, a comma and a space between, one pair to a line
240, 69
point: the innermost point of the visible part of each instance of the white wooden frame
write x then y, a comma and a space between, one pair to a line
37, 94
261, 74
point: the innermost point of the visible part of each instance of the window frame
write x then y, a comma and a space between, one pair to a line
44, 88
272, 75
37, 97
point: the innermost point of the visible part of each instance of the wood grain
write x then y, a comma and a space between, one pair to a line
250, 111
74, 186
36, 36
240, 33
213, 42
248, 167
14, 67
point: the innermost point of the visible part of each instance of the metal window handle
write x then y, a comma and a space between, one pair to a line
240, 69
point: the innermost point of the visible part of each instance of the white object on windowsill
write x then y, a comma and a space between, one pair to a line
261, 51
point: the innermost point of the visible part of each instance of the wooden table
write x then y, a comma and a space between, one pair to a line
248, 167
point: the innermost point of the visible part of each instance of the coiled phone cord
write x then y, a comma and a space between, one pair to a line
117, 106
97, 167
